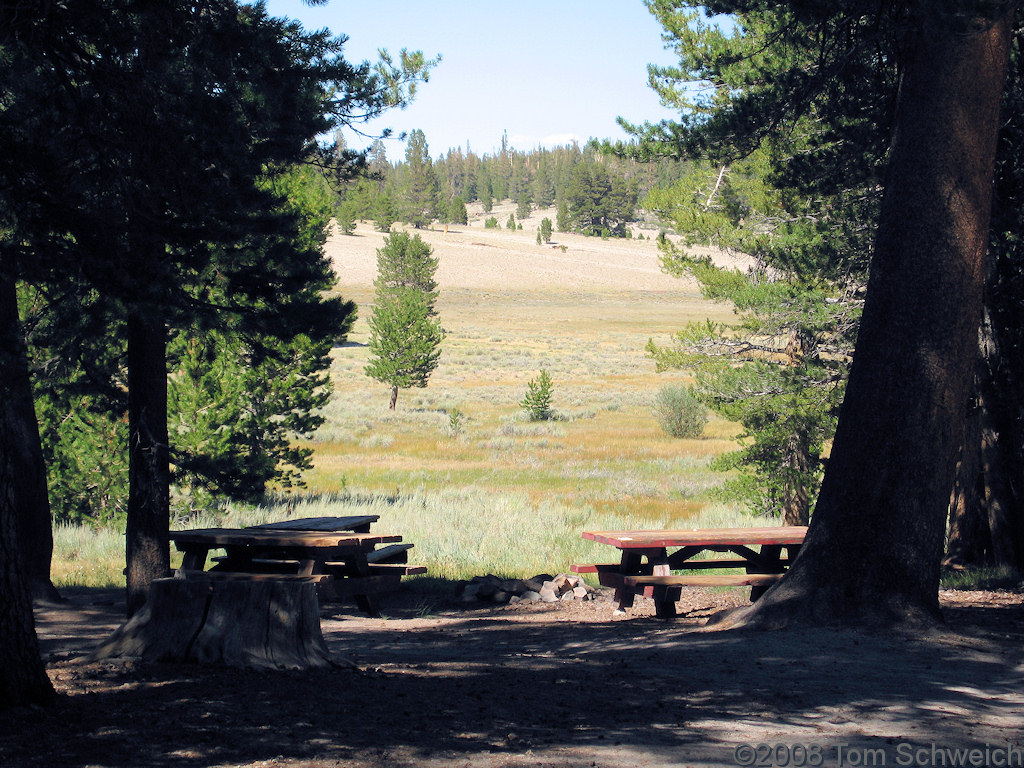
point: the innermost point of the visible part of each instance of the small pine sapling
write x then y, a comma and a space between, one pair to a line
537, 402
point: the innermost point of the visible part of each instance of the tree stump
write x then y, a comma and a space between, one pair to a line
250, 621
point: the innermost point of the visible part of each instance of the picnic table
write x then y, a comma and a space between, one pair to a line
338, 553
649, 558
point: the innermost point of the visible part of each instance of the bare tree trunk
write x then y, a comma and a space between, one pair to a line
873, 549
995, 450
394, 398
32, 502
23, 677
148, 545
796, 503
968, 541
985, 514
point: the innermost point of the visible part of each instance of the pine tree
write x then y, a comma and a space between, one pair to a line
562, 216
457, 211
598, 202
405, 335
523, 205
420, 188
539, 394
405, 261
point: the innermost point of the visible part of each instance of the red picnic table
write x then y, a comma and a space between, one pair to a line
648, 559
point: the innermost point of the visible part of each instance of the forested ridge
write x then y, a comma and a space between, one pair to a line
594, 192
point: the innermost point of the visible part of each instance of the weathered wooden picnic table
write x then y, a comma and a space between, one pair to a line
338, 553
648, 559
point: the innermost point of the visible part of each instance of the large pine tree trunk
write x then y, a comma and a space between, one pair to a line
874, 546
32, 501
23, 677
148, 524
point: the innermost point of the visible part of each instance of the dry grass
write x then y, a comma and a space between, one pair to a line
510, 308
502, 494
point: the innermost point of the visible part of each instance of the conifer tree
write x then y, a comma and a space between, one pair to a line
457, 211
405, 334
420, 187
523, 204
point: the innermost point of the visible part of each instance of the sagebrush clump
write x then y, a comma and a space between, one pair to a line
679, 413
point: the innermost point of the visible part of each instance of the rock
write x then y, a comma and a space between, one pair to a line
548, 595
527, 585
486, 589
531, 595
501, 597
580, 593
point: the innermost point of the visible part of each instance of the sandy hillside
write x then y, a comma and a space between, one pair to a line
472, 256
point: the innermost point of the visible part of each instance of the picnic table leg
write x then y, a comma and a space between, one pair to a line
194, 558
357, 567
665, 598
628, 565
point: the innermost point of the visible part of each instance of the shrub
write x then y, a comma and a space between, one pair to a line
538, 398
491, 222
456, 422
679, 413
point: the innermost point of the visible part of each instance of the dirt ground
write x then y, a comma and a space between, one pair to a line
437, 683
470, 256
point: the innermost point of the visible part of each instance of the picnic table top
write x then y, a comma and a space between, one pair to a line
249, 537
700, 537
319, 523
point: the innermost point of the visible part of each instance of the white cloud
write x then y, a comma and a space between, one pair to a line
561, 139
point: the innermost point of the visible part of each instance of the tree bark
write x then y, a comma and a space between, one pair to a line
993, 450
986, 516
796, 502
148, 524
260, 624
32, 502
875, 543
968, 541
23, 677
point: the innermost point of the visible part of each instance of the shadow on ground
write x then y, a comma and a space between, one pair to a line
523, 686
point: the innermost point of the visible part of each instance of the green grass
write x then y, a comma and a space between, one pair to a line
84, 556
981, 578
458, 532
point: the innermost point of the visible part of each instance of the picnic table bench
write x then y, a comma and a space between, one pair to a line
649, 558
338, 553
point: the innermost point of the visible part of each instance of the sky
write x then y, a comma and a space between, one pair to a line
547, 73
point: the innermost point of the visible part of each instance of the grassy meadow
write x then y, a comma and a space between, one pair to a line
487, 490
